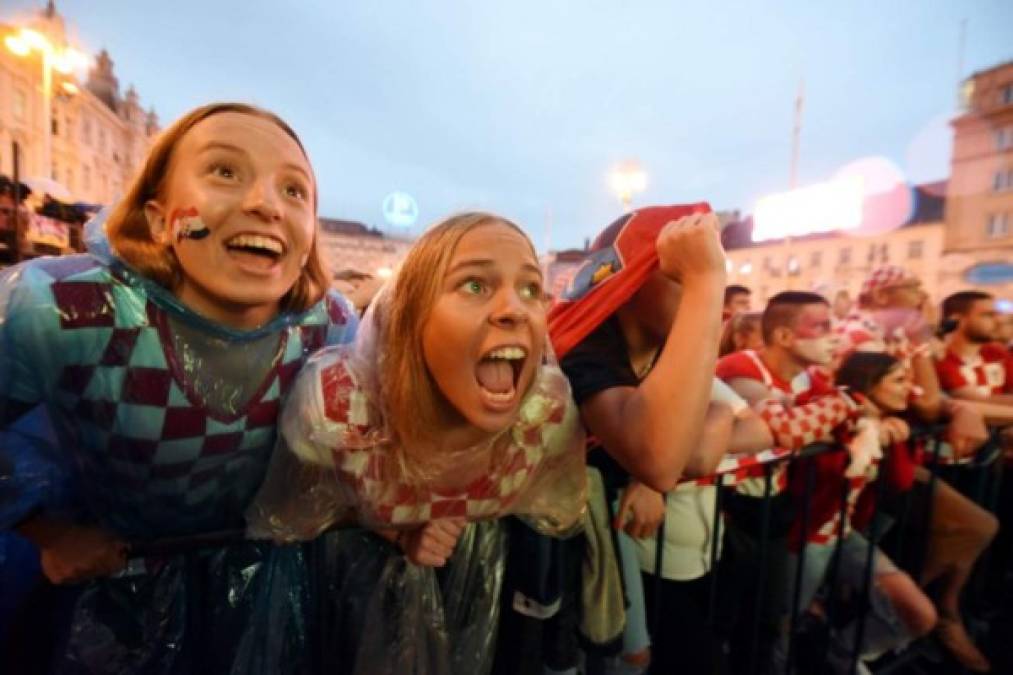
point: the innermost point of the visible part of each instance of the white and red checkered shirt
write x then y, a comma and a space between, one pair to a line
538, 470
990, 372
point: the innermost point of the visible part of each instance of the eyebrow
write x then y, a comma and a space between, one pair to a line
222, 145
487, 262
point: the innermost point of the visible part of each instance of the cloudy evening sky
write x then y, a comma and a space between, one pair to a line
523, 107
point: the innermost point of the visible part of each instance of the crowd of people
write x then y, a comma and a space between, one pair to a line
223, 467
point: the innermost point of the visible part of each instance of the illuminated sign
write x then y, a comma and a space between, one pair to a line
987, 274
823, 207
400, 209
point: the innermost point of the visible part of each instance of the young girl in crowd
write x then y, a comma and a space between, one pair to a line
162, 357
899, 610
446, 413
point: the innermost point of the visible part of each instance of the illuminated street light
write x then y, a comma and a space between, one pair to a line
62, 59
626, 179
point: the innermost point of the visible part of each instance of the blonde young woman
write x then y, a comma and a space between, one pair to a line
446, 414
162, 357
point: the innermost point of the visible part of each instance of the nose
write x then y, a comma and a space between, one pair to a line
262, 201
510, 310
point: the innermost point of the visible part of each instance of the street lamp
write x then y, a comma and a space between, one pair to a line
626, 179
62, 59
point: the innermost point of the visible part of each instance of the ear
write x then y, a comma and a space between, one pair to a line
154, 213
783, 336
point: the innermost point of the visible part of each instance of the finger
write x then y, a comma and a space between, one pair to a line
436, 552
441, 536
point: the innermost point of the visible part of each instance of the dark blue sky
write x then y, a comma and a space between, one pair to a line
522, 107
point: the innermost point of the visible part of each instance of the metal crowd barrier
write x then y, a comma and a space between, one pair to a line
985, 492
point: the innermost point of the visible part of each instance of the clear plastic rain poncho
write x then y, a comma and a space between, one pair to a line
164, 425
339, 465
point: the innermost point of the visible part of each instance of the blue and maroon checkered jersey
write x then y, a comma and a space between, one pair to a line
94, 342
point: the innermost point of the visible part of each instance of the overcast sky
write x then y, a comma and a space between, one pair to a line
522, 107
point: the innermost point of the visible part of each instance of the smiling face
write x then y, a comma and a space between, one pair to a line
484, 336
237, 208
892, 392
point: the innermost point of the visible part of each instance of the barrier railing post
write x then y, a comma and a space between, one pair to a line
866, 601
712, 600
810, 480
830, 579
754, 643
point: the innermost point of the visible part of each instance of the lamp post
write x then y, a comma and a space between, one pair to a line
626, 179
62, 59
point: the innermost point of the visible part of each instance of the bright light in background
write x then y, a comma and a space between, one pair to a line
888, 201
823, 207
384, 272
627, 179
17, 45
746, 268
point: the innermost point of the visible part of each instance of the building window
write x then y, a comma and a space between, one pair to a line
55, 176
794, 268
68, 129
815, 258
54, 126
884, 253
1007, 94
86, 177
999, 181
70, 179
86, 131
101, 140
20, 105
915, 249
844, 256
997, 226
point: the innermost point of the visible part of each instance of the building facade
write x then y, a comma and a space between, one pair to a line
353, 248
98, 136
979, 205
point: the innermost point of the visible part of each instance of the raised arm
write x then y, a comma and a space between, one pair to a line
652, 430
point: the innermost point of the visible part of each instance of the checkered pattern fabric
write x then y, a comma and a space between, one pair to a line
338, 415
735, 469
795, 426
154, 460
990, 372
860, 331
884, 277
830, 530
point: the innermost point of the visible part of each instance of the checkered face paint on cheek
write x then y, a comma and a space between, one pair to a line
186, 224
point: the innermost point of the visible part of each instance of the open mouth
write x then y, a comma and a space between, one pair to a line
258, 251
498, 374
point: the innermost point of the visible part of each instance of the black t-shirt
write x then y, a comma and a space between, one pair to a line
601, 361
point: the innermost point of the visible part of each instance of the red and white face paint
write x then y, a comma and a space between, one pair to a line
814, 342
187, 224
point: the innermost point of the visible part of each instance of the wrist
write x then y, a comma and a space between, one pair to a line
706, 284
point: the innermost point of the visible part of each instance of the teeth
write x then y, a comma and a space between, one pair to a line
500, 397
256, 241
507, 353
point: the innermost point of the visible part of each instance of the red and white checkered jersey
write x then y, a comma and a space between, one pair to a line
990, 372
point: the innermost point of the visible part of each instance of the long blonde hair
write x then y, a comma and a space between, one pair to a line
131, 236
413, 401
